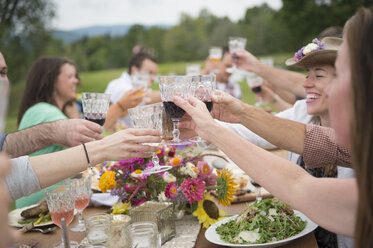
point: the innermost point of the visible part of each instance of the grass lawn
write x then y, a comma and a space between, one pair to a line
96, 81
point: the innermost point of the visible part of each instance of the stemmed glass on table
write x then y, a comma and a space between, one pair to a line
255, 83
80, 188
149, 116
95, 106
203, 88
236, 44
61, 205
171, 86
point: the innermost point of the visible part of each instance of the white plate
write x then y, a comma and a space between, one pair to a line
15, 215
213, 237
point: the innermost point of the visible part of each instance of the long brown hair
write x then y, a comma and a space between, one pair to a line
40, 83
359, 32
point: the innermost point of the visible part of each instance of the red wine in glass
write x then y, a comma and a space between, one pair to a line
99, 121
257, 89
209, 105
173, 111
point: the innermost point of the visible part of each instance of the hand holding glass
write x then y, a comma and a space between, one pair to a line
255, 83
236, 44
149, 116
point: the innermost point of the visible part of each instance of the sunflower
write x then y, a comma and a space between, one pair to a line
227, 187
207, 212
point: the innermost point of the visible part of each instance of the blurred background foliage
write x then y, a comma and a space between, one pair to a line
25, 35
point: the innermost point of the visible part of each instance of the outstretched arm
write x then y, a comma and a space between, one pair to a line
321, 199
279, 78
66, 133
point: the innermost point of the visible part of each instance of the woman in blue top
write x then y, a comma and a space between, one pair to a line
50, 87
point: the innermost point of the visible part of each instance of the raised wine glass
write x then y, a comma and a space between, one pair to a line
149, 116
255, 83
95, 106
171, 86
61, 205
236, 44
80, 188
203, 88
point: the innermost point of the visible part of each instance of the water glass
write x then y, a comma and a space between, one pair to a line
145, 235
98, 229
81, 189
255, 83
120, 236
149, 116
95, 106
236, 44
140, 79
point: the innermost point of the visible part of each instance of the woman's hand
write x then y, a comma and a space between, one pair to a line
247, 61
129, 143
226, 107
201, 121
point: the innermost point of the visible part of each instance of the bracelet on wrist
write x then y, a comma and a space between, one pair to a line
86, 153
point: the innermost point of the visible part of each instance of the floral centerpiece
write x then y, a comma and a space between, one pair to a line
188, 184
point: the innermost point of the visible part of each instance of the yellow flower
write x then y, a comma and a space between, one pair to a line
207, 212
227, 187
107, 181
122, 209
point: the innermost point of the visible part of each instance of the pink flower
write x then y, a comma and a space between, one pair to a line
160, 152
205, 173
176, 161
193, 189
171, 190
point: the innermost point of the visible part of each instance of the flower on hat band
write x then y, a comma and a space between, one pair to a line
304, 51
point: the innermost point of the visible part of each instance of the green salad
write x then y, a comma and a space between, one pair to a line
268, 220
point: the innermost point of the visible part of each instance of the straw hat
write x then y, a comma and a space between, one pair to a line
317, 52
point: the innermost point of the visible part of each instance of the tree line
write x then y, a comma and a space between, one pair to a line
25, 34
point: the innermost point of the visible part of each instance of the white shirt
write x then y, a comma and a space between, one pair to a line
116, 88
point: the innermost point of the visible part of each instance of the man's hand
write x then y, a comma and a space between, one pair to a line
247, 61
226, 107
132, 98
73, 132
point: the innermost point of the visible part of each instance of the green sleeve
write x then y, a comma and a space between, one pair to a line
41, 113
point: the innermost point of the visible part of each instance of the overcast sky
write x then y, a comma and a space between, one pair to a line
71, 14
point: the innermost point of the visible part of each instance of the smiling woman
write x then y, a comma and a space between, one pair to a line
50, 86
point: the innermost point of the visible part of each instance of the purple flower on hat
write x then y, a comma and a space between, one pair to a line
316, 45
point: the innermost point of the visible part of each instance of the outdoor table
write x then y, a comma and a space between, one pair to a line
47, 240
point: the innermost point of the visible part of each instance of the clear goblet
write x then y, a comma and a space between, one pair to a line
171, 86
149, 116
95, 106
80, 188
61, 205
236, 44
203, 88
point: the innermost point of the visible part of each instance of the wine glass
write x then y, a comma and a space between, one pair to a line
215, 54
236, 44
171, 86
95, 106
258, 190
61, 205
203, 88
149, 116
80, 188
255, 83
